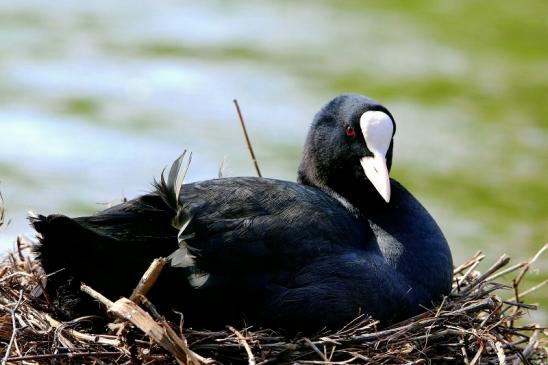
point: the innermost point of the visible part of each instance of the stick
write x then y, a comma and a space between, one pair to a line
99, 338
316, 349
517, 280
533, 343
506, 271
464, 277
478, 256
247, 137
148, 279
70, 355
162, 334
500, 353
529, 291
2, 211
14, 327
503, 261
96, 295
528, 264
476, 358
241, 338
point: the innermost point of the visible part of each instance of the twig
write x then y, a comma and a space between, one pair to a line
151, 308
69, 355
241, 338
478, 256
478, 354
18, 241
521, 305
500, 353
316, 349
2, 211
517, 280
533, 343
14, 327
438, 311
250, 148
506, 271
502, 261
148, 279
530, 290
484, 304
101, 339
466, 274
532, 260
464, 353
162, 334
96, 295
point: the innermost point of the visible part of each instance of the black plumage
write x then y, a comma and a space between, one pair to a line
295, 256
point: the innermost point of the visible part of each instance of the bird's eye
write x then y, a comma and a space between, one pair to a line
350, 132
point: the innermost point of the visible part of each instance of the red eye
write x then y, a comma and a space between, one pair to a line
350, 132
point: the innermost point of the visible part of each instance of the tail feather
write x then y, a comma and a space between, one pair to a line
184, 256
112, 249
60, 253
169, 191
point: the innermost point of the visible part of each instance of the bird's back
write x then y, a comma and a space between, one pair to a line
257, 221
248, 235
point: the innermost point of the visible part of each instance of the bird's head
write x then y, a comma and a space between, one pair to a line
350, 142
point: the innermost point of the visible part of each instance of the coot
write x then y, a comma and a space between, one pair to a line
344, 240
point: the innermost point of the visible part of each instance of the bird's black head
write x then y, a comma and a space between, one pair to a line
349, 144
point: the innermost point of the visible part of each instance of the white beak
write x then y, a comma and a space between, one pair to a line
377, 129
376, 171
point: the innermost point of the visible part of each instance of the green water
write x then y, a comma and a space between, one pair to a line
467, 82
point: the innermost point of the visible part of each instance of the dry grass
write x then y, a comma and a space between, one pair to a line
473, 325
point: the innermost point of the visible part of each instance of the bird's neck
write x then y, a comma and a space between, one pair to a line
425, 252
350, 190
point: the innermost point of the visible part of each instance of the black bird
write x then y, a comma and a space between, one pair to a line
344, 240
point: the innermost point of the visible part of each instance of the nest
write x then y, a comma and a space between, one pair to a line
472, 325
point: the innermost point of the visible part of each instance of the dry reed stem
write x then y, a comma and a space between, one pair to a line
247, 140
2, 210
243, 341
148, 280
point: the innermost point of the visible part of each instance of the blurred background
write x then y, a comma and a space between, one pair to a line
97, 97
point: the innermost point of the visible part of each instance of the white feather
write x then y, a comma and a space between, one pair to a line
181, 257
198, 279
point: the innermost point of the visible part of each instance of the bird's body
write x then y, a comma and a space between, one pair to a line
298, 256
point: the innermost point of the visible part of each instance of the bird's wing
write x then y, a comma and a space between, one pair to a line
247, 224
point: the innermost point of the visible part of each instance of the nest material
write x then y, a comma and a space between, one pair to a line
472, 325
